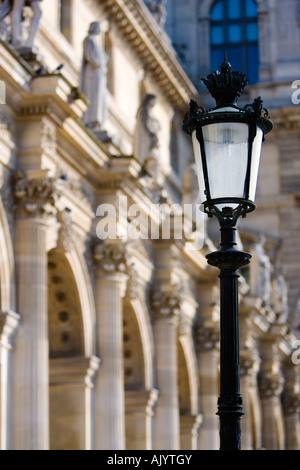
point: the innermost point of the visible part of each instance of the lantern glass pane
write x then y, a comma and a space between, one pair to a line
256, 151
199, 167
226, 148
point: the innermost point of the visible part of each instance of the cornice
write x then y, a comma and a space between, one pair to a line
286, 118
153, 46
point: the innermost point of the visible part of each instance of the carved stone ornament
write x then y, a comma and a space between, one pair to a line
111, 257
165, 304
132, 283
249, 364
291, 403
65, 234
22, 35
270, 386
208, 338
36, 197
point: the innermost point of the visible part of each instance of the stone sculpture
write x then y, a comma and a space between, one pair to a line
16, 20
146, 143
261, 272
159, 10
280, 297
94, 78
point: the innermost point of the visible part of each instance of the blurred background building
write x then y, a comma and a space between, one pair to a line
109, 316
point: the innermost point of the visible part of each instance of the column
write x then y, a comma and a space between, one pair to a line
35, 198
71, 387
8, 324
207, 337
110, 283
166, 309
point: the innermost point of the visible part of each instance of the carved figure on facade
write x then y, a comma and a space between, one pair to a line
190, 187
260, 272
15, 10
146, 142
93, 80
159, 10
280, 297
65, 233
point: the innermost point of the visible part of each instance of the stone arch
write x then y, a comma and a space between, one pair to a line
66, 337
188, 392
140, 395
137, 329
83, 282
71, 319
7, 270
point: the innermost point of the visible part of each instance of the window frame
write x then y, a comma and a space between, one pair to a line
226, 46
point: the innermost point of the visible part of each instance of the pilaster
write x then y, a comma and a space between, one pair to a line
208, 352
166, 314
110, 284
36, 195
271, 382
9, 322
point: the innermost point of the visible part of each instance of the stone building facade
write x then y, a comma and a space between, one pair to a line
109, 315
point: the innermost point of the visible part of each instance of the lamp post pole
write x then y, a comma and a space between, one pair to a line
228, 259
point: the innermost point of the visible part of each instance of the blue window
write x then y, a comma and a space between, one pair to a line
234, 31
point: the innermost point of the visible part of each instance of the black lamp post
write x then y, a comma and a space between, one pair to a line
227, 143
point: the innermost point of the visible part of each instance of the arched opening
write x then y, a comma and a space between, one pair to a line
70, 367
64, 312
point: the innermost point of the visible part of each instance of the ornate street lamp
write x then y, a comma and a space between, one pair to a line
227, 143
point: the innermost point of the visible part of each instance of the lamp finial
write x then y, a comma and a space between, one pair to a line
224, 85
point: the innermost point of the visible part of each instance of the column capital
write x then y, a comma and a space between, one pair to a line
207, 337
249, 364
291, 403
111, 257
165, 303
270, 385
36, 193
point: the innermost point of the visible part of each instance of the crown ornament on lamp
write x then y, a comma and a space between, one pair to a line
224, 85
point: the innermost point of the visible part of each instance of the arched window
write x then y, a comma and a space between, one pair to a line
234, 30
